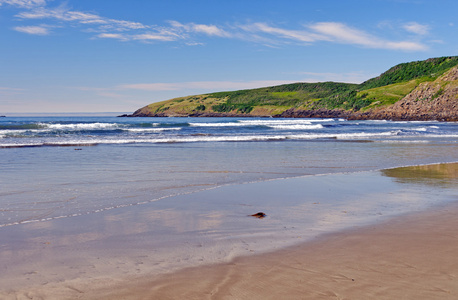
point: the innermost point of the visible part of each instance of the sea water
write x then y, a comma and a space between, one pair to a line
85, 198
55, 167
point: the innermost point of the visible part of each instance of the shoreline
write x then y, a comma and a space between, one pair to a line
375, 115
405, 257
79, 252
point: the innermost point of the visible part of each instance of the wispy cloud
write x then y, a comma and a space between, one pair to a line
154, 37
8, 91
191, 33
145, 37
411, 27
122, 30
297, 35
203, 85
64, 14
35, 30
336, 33
103, 92
416, 28
211, 30
24, 3
191, 87
117, 36
342, 33
353, 77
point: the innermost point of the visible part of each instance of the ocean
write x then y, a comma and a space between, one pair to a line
101, 199
57, 167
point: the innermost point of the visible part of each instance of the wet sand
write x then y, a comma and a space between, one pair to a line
108, 256
410, 257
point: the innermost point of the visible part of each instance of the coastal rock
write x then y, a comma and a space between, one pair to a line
259, 215
436, 100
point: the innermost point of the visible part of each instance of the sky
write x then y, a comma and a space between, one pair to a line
120, 55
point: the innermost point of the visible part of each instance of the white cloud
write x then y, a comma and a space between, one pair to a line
153, 37
61, 14
127, 25
211, 30
334, 32
117, 36
330, 32
405, 46
297, 35
64, 14
269, 35
24, 3
416, 28
35, 30
194, 44
35, 14
342, 33
142, 37
85, 18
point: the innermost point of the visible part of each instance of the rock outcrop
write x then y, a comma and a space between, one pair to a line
436, 100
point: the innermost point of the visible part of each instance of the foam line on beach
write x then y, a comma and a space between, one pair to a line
206, 138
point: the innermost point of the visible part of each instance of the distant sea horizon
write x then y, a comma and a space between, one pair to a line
63, 114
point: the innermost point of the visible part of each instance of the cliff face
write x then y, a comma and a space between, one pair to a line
436, 100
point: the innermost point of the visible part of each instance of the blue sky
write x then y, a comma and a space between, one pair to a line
120, 55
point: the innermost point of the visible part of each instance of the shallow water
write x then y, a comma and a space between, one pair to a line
86, 198
212, 226
54, 167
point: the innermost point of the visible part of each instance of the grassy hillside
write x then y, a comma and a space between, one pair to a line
291, 95
428, 69
386, 89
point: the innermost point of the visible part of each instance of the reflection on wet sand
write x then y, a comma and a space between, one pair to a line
438, 174
210, 226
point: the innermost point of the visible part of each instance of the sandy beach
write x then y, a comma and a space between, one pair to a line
409, 255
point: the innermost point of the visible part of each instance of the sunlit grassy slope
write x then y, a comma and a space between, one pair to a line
386, 89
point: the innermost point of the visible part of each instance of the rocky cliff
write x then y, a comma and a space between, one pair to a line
430, 100
436, 100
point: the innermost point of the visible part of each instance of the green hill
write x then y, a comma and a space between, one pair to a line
345, 99
427, 69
